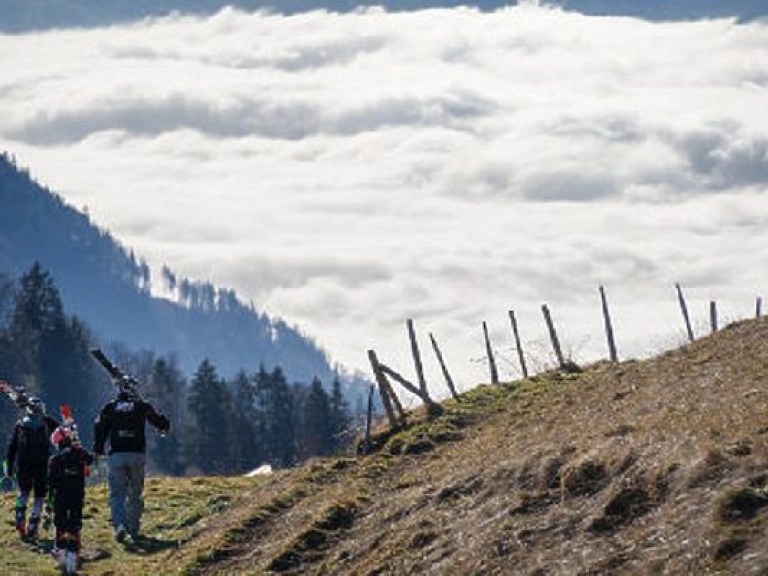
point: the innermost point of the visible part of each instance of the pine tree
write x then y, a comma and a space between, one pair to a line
245, 424
276, 408
317, 421
52, 359
166, 388
37, 325
340, 419
207, 432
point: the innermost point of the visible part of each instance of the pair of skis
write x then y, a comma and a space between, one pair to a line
18, 394
119, 378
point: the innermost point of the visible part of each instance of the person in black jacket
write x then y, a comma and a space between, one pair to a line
66, 481
28, 453
121, 423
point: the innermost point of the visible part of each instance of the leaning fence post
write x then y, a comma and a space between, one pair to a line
553, 336
684, 310
491, 359
417, 358
384, 389
713, 315
446, 374
608, 327
519, 347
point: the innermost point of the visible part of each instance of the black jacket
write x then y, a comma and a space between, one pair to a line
67, 471
30, 443
121, 422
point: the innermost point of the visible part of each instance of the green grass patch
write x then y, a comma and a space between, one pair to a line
175, 510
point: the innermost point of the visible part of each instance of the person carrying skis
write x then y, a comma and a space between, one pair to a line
121, 422
27, 456
66, 481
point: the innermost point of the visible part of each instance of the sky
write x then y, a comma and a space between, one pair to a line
347, 172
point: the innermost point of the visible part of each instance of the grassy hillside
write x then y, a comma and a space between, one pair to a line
644, 467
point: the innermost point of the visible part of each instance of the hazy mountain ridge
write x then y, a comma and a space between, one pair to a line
107, 286
24, 16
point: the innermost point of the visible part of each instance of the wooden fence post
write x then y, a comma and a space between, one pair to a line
416, 357
553, 336
684, 310
713, 315
446, 374
758, 307
385, 390
491, 359
519, 347
367, 444
608, 327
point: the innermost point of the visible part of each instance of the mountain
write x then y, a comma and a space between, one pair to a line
23, 15
109, 288
657, 466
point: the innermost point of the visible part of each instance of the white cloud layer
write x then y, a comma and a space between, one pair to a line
349, 171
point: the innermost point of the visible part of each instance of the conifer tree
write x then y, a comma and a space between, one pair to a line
340, 418
248, 453
37, 325
51, 349
276, 407
317, 422
166, 387
207, 430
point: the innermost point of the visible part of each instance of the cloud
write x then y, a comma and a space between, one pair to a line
349, 171
287, 119
723, 159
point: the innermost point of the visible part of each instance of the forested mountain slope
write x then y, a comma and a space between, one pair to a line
108, 287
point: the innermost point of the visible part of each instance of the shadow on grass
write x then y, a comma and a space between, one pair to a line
147, 545
95, 556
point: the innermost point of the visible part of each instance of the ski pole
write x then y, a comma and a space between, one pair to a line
48, 517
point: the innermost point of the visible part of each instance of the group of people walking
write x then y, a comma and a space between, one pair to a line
49, 463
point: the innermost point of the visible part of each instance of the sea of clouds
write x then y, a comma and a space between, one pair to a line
349, 171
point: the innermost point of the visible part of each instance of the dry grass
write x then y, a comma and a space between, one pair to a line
652, 467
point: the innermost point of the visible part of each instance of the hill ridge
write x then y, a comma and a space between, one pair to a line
656, 466
653, 466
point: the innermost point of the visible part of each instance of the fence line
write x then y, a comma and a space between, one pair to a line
394, 410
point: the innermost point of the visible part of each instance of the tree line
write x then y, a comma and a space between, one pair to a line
220, 425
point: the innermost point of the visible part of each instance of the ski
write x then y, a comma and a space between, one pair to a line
17, 394
119, 378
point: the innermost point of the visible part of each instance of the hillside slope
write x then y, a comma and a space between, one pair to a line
643, 467
659, 466
105, 285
